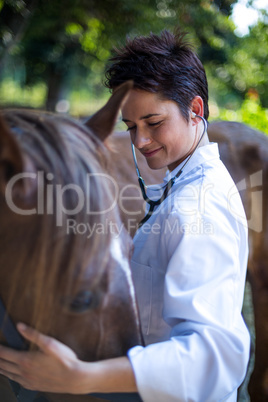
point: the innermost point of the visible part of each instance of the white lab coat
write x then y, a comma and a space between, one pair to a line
189, 267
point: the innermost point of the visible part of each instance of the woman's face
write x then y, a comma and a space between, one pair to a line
158, 130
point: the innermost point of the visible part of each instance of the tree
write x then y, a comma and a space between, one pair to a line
14, 17
62, 43
62, 36
248, 68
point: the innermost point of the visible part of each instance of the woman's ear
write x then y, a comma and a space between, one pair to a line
197, 107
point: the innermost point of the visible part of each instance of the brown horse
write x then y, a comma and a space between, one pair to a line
245, 153
64, 266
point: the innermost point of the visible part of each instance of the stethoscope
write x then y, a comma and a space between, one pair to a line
169, 185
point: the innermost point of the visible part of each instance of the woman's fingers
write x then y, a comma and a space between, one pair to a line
50, 368
14, 377
10, 357
8, 366
15, 365
45, 343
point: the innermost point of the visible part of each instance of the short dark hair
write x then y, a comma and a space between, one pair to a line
164, 64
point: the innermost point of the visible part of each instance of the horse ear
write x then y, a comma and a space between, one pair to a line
13, 162
102, 122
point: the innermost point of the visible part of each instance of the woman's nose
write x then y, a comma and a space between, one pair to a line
141, 139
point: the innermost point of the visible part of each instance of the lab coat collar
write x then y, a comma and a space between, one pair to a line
204, 153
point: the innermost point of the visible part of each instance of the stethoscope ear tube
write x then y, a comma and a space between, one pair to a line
169, 185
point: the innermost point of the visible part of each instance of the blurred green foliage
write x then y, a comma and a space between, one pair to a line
27, 96
250, 113
82, 103
54, 50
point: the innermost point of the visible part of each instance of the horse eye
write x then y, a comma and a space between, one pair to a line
82, 302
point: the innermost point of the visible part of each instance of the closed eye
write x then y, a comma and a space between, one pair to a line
149, 124
131, 128
155, 124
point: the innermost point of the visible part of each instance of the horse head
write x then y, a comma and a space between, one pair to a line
64, 254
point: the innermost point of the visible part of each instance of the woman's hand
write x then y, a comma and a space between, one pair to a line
52, 368
56, 368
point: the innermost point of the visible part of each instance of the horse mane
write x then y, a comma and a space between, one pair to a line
47, 259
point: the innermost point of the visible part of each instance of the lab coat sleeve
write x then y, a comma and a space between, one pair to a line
206, 357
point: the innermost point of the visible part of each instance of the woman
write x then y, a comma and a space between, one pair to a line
190, 257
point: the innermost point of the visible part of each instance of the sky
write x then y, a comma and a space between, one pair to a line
244, 16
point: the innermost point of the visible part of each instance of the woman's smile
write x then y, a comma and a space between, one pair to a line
150, 153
